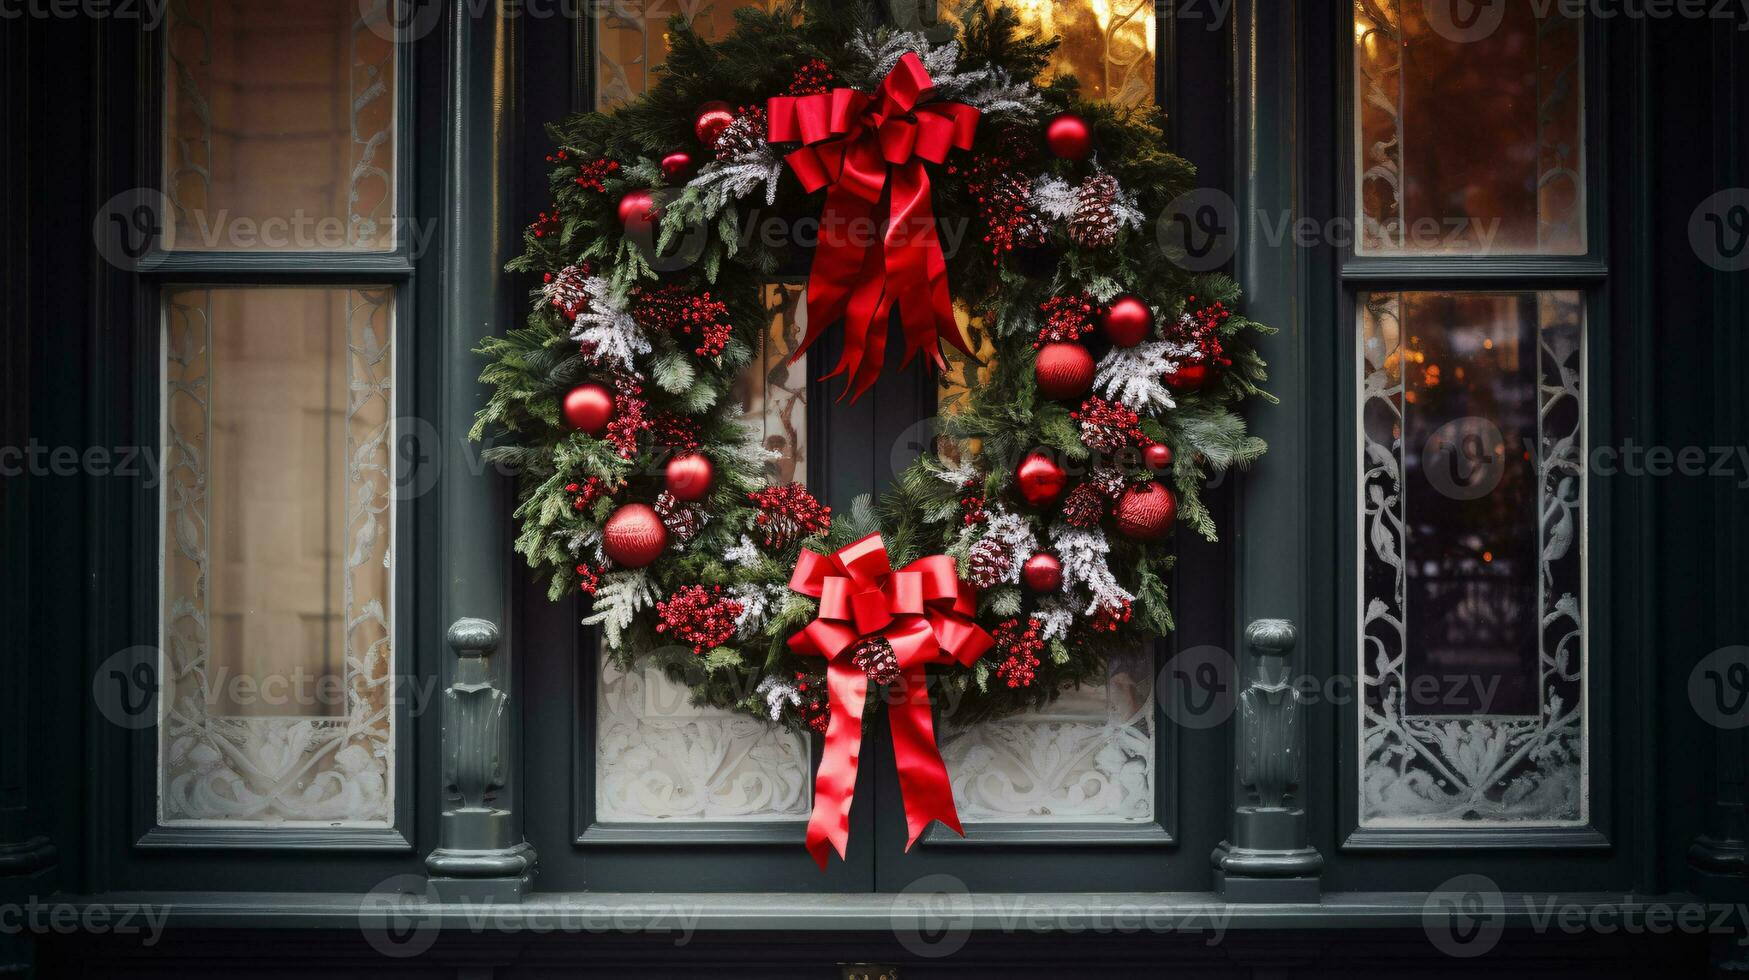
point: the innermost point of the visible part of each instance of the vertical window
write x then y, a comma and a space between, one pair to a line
278, 418
1472, 373
1090, 756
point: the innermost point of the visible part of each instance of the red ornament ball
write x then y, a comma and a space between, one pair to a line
1187, 378
588, 408
1158, 456
634, 536
1042, 573
1127, 321
688, 476
1069, 137
711, 119
1041, 480
1146, 512
1064, 371
637, 211
677, 166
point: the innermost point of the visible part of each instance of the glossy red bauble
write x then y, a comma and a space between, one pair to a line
1069, 137
1042, 572
634, 536
1158, 456
1146, 512
677, 166
588, 408
1127, 321
1064, 371
711, 119
1040, 479
1187, 378
637, 211
688, 476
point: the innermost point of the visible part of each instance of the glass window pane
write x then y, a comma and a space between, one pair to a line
659, 759
631, 39
1108, 45
279, 125
1472, 552
1087, 757
277, 535
1470, 133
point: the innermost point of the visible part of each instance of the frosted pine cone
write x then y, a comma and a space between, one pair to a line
988, 563
684, 521
1095, 221
1085, 506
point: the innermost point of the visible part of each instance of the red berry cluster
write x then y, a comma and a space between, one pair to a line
1200, 329
593, 175
588, 579
972, 505
628, 413
591, 490
789, 513
1109, 617
1020, 644
814, 77
1108, 426
1004, 195
546, 224
815, 707
674, 430
674, 310
699, 616
559, 157
1067, 319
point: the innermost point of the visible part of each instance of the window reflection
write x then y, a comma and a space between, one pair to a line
1470, 135
1472, 556
279, 125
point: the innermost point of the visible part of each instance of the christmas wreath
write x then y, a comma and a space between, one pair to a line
1001, 568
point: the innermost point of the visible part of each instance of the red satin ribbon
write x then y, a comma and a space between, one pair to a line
869, 152
926, 613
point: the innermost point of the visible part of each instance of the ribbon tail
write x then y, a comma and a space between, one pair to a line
917, 269
922, 774
835, 782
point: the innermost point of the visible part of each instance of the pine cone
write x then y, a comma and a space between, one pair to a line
989, 563
684, 521
1085, 507
1094, 222
1109, 479
746, 134
875, 657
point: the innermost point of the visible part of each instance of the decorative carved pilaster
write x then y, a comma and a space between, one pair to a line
481, 854
1269, 857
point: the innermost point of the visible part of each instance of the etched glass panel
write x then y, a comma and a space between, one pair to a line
1469, 130
1472, 558
1108, 45
1087, 757
659, 759
278, 518
279, 119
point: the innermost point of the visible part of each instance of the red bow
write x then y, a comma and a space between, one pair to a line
853, 143
925, 612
